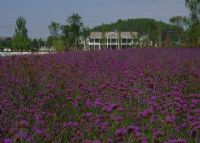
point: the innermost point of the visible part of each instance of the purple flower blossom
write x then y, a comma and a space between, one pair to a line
71, 124
7, 141
169, 120
110, 107
133, 129
147, 113
120, 132
96, 141
103, 126
80, 95
176, 141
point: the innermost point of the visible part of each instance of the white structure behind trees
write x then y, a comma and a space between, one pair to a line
113, 40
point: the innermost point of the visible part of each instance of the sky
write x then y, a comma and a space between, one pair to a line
40, 13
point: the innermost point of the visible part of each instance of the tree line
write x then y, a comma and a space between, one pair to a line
66, 37
182, 31
20, 40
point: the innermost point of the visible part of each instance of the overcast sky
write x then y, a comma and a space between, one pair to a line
40, 13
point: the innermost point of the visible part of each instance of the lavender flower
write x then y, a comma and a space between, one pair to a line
120, 132
147, 113
7, 141
71, 124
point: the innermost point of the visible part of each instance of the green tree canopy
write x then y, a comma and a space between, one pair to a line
66, 35
58, 44
194, 32
54, 28
34, 45
75, 26
194, 7
179, 21
140, 25
20, 40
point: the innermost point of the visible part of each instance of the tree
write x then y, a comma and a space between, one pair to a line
59, 45
49, 41
140, 25
159, 31
75, 25
194, 7
85, 32
20, 40
180, 23
54, 28
103, 37
5, 43
66, 36
168, 41
41, 42
34, 45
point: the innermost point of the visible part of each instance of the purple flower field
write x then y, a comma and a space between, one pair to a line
126, 96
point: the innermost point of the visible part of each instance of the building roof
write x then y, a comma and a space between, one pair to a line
129, 34
98, 35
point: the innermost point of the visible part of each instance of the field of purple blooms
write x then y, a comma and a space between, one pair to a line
126, 96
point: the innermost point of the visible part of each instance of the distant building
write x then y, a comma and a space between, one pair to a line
113, 40
46, 49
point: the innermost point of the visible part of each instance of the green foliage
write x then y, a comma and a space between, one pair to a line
41, 42
34, 45
70, 33
5, 43
75, 25
59, 45
54, 28
85, 32
141, 25
194, 7
49, 41
179, 21
104, 37
194, 32
159, 34
21, 43
193, 36
65, 31
20, 40
66, 35
1, 45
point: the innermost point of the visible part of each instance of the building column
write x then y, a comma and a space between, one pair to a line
107, 43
